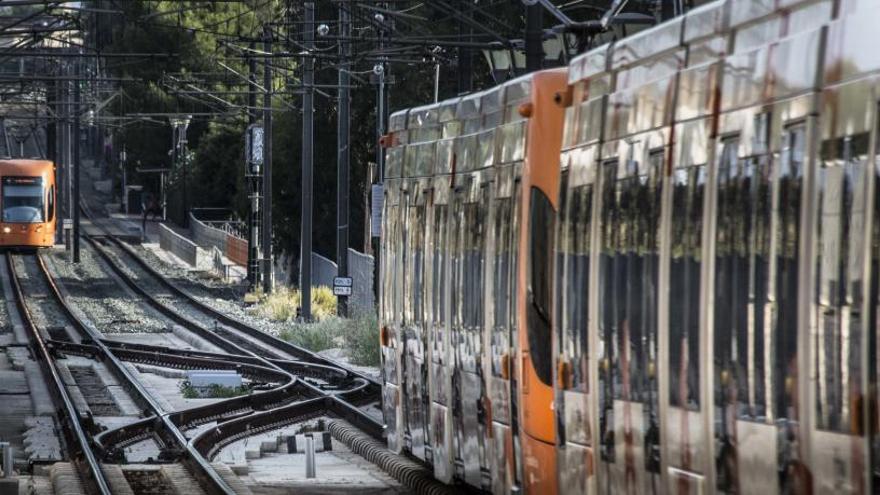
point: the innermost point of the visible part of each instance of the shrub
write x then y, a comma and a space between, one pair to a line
358, 336
283, 303
318, 336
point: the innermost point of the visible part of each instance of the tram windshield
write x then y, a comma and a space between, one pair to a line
23, 199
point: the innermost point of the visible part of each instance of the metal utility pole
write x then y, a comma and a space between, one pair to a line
534, 37
465, 55
76, 162
181, 154
268, 270
378, 189
343, 136
255, 181
305, 256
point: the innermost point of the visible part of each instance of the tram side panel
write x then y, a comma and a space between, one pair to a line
440, 365
577, 232
392, 287
845, 226
500, 333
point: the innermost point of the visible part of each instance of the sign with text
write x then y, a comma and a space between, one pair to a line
342, 286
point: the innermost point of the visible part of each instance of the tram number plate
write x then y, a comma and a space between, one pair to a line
342, 286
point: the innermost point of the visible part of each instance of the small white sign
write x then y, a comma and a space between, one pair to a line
341, 291
342, 282
67, 223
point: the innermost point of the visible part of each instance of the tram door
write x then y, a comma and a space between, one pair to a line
501, 283
414, 339
844, 311
686, 450
628, 281
391, 297
440, 372
573, 273
755, 319
468, 264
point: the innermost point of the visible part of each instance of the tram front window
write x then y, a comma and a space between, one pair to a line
23, 199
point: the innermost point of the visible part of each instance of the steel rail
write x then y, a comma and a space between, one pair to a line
234, 323
341, 405
68, 416
369, 392
207, 477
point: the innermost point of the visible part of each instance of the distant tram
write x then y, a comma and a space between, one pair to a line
653, 272
27, 203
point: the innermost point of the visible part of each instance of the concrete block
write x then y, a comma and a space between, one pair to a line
8, 486
239, 469
252, 454
268, 446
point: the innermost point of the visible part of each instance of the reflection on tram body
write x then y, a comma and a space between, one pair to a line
684, 300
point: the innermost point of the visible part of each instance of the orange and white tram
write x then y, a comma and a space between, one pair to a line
27, 202
653, 272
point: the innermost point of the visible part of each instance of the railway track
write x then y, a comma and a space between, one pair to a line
76, 439
306, 384
77, 425
352, 396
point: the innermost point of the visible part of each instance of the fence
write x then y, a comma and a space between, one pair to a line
360, 266
207, 235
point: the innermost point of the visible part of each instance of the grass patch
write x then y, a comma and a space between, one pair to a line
358, 336
362, 340
283, 303
212, 392
318, 336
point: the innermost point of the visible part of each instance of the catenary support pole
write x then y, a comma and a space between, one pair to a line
465, 54
305, 258
534, 37
343, 135
76, 162
255, 183
381, 118
267, 269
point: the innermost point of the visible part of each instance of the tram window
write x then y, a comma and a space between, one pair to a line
415, 263
628, 280
573, 275
439, 260
51, 204
472, 266
22, 200
501, 276
840, 288
742, 245
786, 281
503, 280
688, 185
540, 275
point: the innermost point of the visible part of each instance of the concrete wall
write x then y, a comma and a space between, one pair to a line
360, 269
206, 236
323, 270
183, 248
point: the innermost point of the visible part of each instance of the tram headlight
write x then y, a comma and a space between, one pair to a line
7, 230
